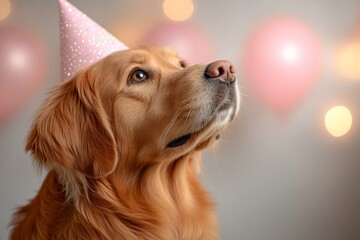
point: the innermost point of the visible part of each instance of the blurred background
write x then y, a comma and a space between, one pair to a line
286, 169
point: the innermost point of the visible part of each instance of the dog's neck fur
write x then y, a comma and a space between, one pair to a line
126, 203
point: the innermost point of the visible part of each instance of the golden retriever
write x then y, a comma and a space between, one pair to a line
122, 142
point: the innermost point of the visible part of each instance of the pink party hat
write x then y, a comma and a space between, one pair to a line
82, 41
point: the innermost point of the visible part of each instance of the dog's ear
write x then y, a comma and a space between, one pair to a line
72, 130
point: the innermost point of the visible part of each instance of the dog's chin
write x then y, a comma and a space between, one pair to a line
213, 124
224, 116
223, 112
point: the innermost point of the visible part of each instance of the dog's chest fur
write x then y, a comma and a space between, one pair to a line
110, 212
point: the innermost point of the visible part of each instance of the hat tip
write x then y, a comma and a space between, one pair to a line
83, 42
61, 2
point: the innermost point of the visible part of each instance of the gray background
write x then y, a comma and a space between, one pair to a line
273, 178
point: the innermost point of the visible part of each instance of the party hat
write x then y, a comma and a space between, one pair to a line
82, 41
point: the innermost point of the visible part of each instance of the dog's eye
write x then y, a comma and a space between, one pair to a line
182, 64
138, 76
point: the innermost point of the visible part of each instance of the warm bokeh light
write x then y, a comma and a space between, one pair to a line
178, 10
338, 121
5, 8
348, 63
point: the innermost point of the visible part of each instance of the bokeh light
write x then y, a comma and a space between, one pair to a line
282, 62
5, 8
178, 10
348, 63
338, 121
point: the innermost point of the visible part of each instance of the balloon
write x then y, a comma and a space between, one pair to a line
188, 40
21, 68
282, 62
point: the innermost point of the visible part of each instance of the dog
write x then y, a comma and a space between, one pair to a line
122, 142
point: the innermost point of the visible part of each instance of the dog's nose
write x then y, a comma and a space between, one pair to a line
222, 70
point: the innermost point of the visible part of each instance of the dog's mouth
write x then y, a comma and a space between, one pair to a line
183, 139
222, 113
179, 141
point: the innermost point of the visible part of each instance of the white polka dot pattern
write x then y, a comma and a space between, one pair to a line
82, 41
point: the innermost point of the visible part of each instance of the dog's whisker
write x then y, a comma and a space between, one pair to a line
172, 121
183, 106
216, 159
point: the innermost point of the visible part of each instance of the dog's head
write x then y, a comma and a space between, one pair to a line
138, 106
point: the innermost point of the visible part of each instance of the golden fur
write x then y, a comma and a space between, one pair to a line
104, 141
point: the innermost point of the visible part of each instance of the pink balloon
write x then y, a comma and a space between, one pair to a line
189, 41
282, 62
21, 68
